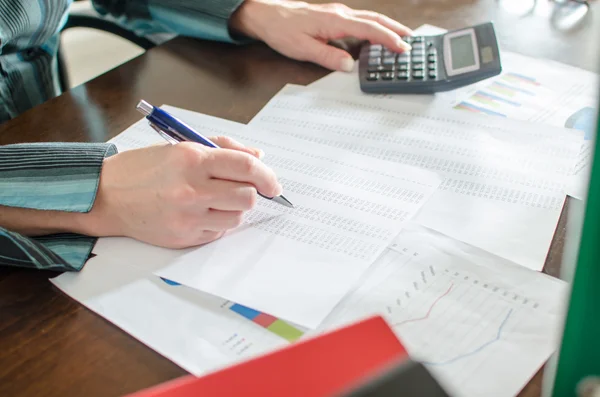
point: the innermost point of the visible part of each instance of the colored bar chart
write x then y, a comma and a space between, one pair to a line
477, 109
508, 94
270, 323
273, 324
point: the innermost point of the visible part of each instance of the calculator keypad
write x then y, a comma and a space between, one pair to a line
417, 65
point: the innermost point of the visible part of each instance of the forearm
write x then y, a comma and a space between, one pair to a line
30, 222
206, 19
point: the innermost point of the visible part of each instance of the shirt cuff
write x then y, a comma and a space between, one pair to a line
205, 19
52, 176
60, 252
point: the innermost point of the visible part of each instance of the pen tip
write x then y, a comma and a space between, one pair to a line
287, 202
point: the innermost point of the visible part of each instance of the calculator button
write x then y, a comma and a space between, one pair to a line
418, 60
432, 66
431, 57
418, 66
403, 75
374, 61
376, 47
372, 76
418, 39
379, 69
418, 54
418, 46
389, 60
418, 74
430, 44
407, 39
403, 66
432, 74
374, 54
387, 76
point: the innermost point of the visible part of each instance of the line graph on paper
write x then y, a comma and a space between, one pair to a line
466, 323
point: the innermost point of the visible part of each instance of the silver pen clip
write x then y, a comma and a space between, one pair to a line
167, 137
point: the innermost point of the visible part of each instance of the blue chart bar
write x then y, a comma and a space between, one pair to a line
169, 282
250, 314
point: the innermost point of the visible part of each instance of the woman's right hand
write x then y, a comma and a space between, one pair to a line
179, 195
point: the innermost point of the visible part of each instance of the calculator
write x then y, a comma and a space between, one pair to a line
435, 63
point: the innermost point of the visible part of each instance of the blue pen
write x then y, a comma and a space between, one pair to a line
175, 130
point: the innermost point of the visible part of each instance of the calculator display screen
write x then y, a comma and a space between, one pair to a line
461, 48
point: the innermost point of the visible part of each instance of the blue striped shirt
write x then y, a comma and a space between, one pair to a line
65, 176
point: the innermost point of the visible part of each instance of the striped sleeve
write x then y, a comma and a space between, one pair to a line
49, 176
205, 19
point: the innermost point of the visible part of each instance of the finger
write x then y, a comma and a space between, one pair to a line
226, 142
374, 32
207, 236
230, 196
381, 19
326, 55
238, 166
220, 221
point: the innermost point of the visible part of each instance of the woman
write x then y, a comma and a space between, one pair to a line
172, 196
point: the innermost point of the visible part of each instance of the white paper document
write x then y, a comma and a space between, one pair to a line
504, 182
195, 330
298, 263
531, 89
482, 325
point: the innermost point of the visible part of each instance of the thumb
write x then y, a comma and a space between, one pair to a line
226, 142
326, 55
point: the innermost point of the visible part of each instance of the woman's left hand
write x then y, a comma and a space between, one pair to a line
301, 31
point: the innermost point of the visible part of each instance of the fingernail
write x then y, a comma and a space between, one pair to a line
259, 153
404, 45
278, 190
347, 65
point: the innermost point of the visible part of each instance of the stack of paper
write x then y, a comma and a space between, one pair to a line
504, 180
433, 217
481, 324
298, 263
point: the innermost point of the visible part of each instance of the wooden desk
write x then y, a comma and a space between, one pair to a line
51, 345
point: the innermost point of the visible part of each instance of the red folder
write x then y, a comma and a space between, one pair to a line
318, 367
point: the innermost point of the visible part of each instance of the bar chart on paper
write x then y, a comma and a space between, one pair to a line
198, 331
503, 96
272, 324
466, 325
541, 94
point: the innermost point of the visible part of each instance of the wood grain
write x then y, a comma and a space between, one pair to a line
52, 346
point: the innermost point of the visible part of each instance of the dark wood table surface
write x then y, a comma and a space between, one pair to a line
52, 346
